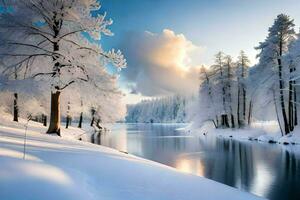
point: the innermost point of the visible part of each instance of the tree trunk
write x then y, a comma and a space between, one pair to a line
44, 118
99, 138
291, 107
244, 93
238, 108
93, 138
295, 106
244, 104
54, 126
232, 121
16, 109
67, 121
281, 86
291, 99
213, 121
93, 112
250, 113
225, 123
98, 124
92, 122
80, 120
276, 110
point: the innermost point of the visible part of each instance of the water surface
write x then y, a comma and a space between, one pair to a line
267, 170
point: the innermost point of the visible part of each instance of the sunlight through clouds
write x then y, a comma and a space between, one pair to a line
161, 64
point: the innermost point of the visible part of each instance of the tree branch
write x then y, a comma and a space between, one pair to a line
73, 81
44, 74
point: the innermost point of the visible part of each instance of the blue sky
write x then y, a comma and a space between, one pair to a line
212, 25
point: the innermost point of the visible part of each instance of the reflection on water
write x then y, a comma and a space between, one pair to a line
190, 166
263, 169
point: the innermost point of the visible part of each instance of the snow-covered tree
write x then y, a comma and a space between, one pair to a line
292, 59
56, 41
281, 34
220, 81
243, 64
207, 109
32, 97
229, 84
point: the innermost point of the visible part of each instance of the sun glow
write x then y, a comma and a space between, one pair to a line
190, 166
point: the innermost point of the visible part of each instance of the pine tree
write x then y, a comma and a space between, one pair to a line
272, 51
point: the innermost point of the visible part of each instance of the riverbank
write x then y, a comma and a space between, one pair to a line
65, 168
268, 132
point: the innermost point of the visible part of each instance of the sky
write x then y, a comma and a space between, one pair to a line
166, 41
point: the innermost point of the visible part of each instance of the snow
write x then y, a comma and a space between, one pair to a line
65, 168
292, 138
267, 131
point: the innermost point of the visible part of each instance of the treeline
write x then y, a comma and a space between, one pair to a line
163, 110
232, 94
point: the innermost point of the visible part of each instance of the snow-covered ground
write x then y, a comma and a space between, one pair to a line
65, 168
259, 131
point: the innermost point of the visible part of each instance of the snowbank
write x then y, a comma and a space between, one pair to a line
64, 168
260, 131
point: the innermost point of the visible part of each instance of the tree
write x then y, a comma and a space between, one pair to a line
14, 74
58, 40
206, 97
242, 74
16, 109
219, 78
293, 60
32, 99
93, 112
81, 115
272, 51
68, 118
228, 83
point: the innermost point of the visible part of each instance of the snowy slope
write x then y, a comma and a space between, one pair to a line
62, 168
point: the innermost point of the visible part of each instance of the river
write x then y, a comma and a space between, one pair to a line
268, 170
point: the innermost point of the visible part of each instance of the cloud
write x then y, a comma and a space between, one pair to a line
160, 64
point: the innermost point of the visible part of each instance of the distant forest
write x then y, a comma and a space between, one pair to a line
164, 110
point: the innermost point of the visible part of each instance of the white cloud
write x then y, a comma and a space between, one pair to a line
161, 64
